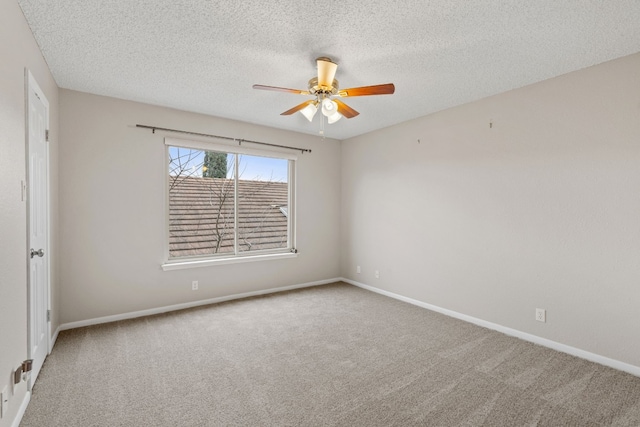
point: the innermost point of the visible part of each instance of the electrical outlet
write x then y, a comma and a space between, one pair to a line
358, 270
541, 315
4, 398
194, 285
377, 274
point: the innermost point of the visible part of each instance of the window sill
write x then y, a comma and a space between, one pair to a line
181, 265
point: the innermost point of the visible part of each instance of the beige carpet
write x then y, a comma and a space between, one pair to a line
322, 356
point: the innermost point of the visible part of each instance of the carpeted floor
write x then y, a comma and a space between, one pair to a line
323, 356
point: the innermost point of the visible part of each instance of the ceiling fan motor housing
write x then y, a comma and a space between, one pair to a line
316, 89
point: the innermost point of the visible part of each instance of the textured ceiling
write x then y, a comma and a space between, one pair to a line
204, 56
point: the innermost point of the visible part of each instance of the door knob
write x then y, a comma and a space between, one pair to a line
40, 253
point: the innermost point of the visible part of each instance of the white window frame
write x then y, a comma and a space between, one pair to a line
236, 257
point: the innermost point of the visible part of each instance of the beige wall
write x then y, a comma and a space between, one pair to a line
112, 210
540, 210
18, 51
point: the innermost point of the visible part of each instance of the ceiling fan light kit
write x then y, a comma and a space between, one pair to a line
324, 88
310, 110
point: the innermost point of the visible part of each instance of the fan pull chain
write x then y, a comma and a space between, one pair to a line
322, 126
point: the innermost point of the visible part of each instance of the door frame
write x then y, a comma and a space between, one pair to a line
32, 85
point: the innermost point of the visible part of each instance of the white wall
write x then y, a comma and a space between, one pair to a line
18, 51
112, 210
541, 210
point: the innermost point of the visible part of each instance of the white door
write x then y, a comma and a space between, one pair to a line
38, 223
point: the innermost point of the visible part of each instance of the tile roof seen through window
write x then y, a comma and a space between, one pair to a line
201, 216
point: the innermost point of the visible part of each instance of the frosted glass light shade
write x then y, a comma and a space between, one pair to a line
309, 111
329, 107
334, 117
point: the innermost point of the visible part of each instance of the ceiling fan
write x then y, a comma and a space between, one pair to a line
325, 90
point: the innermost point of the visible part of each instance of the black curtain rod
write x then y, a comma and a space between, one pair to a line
239, 141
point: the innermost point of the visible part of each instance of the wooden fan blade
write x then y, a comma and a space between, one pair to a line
345, 110
281, 89
297, 108
385, 89
326, 71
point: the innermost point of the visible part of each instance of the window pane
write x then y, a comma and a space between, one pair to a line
263, 195
201, 202
216, 210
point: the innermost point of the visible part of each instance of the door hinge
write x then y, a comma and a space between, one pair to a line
46, 135
48, 315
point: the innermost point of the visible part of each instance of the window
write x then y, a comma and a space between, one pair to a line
228, 202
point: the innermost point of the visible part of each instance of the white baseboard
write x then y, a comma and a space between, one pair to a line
23, 408
52, 342
592, 357
612, 363
159, 310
